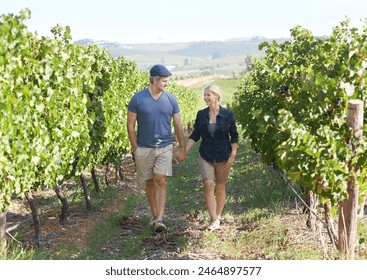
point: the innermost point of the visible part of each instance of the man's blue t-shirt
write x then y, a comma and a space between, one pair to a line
154, 118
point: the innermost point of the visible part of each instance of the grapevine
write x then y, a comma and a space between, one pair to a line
293, 107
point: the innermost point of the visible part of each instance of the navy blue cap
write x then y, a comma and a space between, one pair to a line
159, 70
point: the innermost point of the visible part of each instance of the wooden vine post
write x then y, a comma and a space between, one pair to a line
348, 209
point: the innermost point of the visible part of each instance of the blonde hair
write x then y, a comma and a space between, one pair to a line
214, 88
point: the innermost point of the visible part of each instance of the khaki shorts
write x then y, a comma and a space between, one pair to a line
213, 171
150, 161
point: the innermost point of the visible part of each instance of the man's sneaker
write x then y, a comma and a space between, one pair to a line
214, 225
152, 221
159, 226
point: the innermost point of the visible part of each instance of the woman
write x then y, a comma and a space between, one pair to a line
217, 128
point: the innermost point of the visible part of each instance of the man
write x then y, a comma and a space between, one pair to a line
153, 109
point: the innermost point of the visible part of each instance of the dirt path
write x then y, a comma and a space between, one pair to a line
199, 81
136, 239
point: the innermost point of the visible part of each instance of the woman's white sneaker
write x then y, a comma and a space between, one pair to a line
214, 225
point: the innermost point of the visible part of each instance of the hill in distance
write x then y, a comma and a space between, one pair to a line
190, 58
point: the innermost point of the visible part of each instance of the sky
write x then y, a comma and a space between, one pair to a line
167, 21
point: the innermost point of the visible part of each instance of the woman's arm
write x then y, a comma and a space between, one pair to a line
231, 158
189, 144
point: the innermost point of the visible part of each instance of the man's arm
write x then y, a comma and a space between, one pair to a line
131, 121
180, 136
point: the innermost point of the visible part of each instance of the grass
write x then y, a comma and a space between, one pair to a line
15, 251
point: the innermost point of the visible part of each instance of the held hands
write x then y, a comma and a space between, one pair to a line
181, 155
